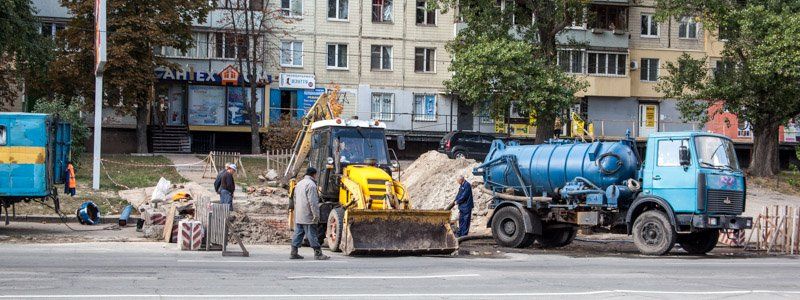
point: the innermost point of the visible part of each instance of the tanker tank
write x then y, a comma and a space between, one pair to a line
562, 168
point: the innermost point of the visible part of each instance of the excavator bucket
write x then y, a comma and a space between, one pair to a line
397, 232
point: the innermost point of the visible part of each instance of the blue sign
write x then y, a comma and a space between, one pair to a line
311, 98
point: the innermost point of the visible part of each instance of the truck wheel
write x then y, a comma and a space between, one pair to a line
653, 234
459, 154
333, 234
508, 228
555, 237
700, 242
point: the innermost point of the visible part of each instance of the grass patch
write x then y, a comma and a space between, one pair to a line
786, 182
128, 170
255, 166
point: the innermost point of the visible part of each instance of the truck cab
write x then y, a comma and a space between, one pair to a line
695, 179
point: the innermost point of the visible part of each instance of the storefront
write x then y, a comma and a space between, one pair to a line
206, 98
296, 93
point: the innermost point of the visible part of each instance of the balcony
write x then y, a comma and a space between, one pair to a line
607, 86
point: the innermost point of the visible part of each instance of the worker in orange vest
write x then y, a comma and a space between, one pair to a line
69, 182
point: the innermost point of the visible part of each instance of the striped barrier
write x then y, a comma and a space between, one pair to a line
191, 235
731, 237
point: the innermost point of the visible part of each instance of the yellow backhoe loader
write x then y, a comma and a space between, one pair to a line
365, 210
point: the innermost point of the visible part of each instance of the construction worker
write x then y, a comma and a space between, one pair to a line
306, 215
465, 204
227, 186
218, 181
69, 183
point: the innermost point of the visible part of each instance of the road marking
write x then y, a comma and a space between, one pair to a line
601, 292
381, 277
257, 261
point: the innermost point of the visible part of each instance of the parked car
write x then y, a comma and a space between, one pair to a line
465, 144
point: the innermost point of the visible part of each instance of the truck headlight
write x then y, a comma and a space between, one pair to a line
713, 221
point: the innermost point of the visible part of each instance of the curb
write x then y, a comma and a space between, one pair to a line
69, 219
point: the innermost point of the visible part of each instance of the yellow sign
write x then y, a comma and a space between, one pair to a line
650, 116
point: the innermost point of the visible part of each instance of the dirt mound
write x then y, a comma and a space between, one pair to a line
260, 229
431, 183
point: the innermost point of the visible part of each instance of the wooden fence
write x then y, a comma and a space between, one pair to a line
776, 229
278, 160
216, 160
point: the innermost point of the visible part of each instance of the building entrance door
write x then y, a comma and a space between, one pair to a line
648, 119
465, 116
288, 100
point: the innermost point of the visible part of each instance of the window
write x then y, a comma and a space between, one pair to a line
424, 108
649, 70
2, 135
571, 61
423, 59
744, 129
225, 45
381, 57
50, 29
292, 8
723, 68
425, 16
606, 63
687, 29
291, 54
727, 31
337, 56
484, 108
668, 152
649, 26
609, 17
381, 10
382, 106
337, 9
199, 46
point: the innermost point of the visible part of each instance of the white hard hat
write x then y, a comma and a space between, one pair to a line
232, 166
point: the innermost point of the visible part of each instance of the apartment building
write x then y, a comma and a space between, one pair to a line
387, 56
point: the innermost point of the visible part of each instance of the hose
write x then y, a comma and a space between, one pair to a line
474, 237
600, 163
510, 197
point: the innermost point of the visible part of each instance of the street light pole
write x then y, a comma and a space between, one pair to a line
100, 62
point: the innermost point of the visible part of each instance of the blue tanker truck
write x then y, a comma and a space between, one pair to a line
686, 189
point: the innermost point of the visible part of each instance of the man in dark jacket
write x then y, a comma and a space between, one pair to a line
465, 204
227, 186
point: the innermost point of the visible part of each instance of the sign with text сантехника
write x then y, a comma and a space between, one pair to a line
297, 81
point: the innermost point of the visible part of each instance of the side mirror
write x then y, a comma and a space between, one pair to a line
683, 156
401, 142
395, 166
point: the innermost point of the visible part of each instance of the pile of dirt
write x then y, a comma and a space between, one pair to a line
431, 183
260, 229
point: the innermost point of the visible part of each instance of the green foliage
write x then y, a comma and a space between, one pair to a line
504, 71
24, 53
71, 113
503, 57
135, 29
758, 82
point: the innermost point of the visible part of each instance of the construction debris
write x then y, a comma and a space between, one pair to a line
431, 184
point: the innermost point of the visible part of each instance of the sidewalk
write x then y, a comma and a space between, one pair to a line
191, 167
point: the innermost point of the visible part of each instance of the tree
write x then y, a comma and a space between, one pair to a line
70, 113
254, 24
757, 79
506, 57
135, 29
24, 53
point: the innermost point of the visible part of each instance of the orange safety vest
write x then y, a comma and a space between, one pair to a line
71, 171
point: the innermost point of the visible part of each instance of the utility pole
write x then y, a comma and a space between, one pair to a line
100, 62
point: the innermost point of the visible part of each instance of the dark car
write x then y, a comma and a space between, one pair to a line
473, 145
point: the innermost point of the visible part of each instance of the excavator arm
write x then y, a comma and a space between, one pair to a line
327, 107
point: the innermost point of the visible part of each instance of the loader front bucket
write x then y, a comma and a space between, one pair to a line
398, 232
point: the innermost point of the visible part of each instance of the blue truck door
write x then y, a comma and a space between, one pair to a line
63, 143
675, 183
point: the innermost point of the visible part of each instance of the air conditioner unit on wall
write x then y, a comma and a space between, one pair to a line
634, 65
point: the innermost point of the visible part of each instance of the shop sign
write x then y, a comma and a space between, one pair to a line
229, 75
311, 98
297, 81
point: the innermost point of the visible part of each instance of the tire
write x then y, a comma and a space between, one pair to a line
699, 243
459, 154
508, 228
333, 233
653, 234
555, 237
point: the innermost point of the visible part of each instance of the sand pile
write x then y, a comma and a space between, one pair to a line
431, 183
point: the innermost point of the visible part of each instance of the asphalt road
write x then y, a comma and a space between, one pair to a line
156, 270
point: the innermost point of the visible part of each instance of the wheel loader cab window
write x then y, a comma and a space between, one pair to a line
357, 145
669, 152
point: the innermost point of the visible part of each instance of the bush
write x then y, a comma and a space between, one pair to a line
281, 134
70, 113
